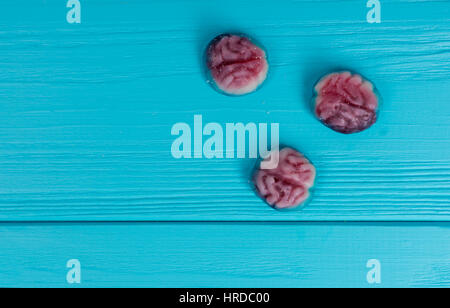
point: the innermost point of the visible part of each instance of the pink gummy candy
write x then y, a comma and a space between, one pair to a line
289, 184
346, 102
237, 66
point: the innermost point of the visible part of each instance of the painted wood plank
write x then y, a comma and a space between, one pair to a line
225, 255
86, 110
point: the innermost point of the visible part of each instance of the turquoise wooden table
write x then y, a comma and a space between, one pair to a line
87, 174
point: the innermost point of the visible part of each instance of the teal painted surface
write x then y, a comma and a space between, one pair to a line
86, 113
87, 110
225, 255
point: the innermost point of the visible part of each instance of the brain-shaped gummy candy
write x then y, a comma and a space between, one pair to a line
346, 102
289, 184
236, 65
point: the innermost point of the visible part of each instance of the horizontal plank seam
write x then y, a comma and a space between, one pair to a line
233, 222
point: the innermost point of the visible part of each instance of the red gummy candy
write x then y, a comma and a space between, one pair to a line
346, 102
289, 184
236, 65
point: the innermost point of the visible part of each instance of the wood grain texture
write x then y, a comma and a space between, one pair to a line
86, 110
225, 255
